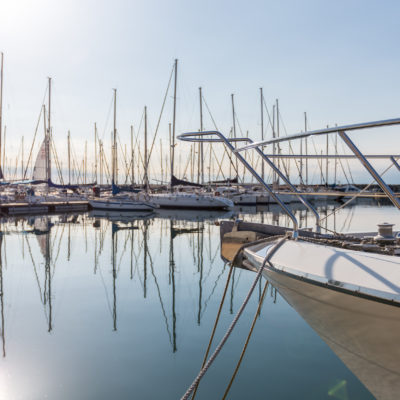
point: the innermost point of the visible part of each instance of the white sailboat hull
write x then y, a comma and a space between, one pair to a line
121, 205
196, 201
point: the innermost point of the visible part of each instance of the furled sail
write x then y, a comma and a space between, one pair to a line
180, 182
39, 170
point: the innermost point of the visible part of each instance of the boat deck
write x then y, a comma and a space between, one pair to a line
356, 271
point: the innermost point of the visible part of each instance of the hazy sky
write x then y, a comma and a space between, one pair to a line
337, 60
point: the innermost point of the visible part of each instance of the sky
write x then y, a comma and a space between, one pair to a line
335, 60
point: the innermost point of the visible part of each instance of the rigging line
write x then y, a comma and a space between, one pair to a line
348, 165
225, 150
316, 153
123, 155
108, 117
33, 143
319, 161
290, 148
53, 147
161, 112
342, 167
269, 115
355, 196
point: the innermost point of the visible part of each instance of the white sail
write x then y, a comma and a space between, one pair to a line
39, 170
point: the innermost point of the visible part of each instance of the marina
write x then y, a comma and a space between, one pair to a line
199, 200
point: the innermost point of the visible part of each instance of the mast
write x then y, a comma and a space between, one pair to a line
335, 180
277, 135
4, 148
161, 160
327, 160
170, 143
48, 133
262, 127
146, 176
274, 144
22, 157
234, 131
114, 144
101, 162
132, 159
201, 154
95, 152
306, 146
174, 119
69, 157
85, 164
1, 111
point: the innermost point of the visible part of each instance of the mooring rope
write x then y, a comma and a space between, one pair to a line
247, 340
221, 344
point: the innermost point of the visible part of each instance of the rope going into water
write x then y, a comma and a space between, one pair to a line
221, 344
233, 263
247, 340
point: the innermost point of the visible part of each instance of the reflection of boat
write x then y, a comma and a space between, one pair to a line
193, 215
122, 216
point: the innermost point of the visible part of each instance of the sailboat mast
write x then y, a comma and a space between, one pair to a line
85, 164
146, 176
174, 119
69, 157
201, 154
306, 146
48, 133
22, 157
262, 126
234, 130
95, 152
277, 135
132, 159
114, 145
273, 144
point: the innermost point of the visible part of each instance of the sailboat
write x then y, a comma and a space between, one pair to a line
119, 202
182, 200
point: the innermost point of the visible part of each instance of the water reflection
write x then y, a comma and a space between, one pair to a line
142, 288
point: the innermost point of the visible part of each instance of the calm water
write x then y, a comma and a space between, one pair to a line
101, 307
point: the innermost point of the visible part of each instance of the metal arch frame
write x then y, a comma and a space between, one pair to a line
341, 130
326, 131
196, 137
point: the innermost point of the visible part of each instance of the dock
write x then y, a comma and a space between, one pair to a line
46, 207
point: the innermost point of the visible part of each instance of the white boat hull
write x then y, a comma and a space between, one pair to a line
195, 201
121, 205
358, 317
